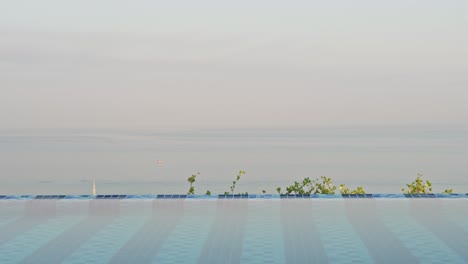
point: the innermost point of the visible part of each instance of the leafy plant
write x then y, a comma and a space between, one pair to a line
346, 190
191, 180
304, 187
322, 185
325, 186
448, 191
418, 186
233, 186
208, 192
263, 191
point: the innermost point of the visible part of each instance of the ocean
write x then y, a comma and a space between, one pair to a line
381, 159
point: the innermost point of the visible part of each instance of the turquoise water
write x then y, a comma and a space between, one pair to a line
143, 230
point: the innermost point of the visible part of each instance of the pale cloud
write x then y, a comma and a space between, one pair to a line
243, 64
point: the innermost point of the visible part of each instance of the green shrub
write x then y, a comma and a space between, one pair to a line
418, 186
448, 191
233, 186
191, 180
322, 185
278, 190
346, 190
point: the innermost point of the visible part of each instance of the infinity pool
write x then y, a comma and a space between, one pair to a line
269, 229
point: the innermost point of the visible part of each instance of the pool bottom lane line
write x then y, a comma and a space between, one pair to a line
449, 232
100, 214
144, 245
302, 240
383, 245
224, 242
422, 242
36, 213
341, 242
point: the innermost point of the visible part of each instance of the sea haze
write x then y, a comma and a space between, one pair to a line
381, 159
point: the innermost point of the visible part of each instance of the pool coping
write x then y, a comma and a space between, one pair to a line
235, 196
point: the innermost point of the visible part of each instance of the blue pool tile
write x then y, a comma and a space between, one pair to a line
388, 195
450, 195
236, 196
326, 196
204, 196
79, 197
49, 197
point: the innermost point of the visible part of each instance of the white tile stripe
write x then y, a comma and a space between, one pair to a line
185, 244
421, 242
25, 244
341, 242
101, 247
457, 214
263, 238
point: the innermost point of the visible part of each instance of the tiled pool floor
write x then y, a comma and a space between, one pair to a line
234, 230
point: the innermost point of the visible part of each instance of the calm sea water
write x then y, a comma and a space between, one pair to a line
380, 159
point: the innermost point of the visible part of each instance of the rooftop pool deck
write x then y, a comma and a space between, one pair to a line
171, 228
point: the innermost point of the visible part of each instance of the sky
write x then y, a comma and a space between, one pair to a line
238, 64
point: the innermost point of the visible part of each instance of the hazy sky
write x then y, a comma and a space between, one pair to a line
220, 64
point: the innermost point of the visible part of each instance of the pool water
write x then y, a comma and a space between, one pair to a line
331, 230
